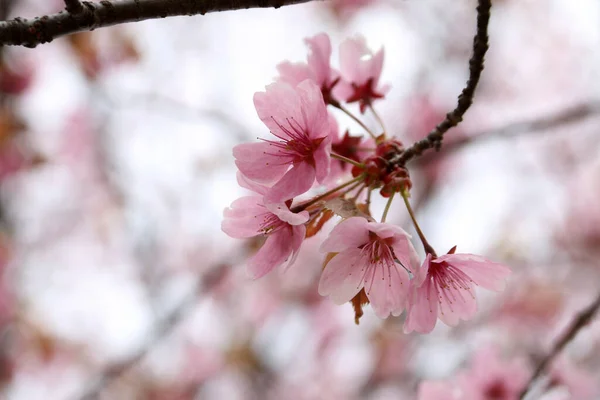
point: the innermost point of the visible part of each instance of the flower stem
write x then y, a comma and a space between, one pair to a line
346, 159
354, 117
428, 248
377, 117
309, 203
387, 207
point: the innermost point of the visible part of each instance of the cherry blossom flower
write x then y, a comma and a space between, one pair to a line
318, 68
374, 256
360, 71
444, 287
297, 116
248, 217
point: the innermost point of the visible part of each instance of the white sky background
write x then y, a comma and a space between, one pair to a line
173, 164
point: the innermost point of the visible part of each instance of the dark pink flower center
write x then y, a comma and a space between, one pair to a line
496, 391
296, 145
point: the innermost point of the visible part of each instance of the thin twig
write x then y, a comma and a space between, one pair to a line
94, 15
453, 118
567, 116
581, 320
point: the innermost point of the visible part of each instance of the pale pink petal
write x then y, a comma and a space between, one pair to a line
385, 231
351, 52
285, 214
240, 220
296, 181
293, 73
315, 117
406, 253
422, 309
343, 90
277, 106
342, 277
298, 235
388, 290
323, 160
376, 66
246, 183
274, 252
319, 57
348, 234
456, 303
256, 162
485, 273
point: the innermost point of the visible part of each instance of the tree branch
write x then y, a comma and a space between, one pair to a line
453, 118
567, 116
74, 6
30, 33
580, 321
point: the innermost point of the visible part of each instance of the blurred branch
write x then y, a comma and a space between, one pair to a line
563, 117
93, 15
453, 118
581, 320
163, 328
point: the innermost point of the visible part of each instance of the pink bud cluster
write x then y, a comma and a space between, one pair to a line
368, 261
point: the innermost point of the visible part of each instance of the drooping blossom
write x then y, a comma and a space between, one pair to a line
443, 287
374, 256
297, 117
317, 68
360, 71
248, 217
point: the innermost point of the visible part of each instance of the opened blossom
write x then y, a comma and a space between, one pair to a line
370, 255
317, 68
300, 152
360, 70
248, 217
444, 287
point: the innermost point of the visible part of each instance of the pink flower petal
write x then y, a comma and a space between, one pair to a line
296, 181
314, 111
388, 290
485, 273
323, 160
240, 220
422, 310
342, 277
256, 162
293, 73
278, 104
406, 253
456, 303
319, 57
348, 234
285, 214
274, 252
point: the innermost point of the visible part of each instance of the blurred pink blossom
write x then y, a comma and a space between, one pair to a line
360, 70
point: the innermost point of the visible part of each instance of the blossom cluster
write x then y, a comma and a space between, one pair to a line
367, 261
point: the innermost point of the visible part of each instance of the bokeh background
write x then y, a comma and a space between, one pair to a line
115, 166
